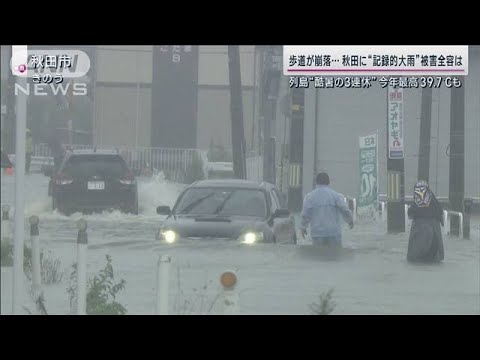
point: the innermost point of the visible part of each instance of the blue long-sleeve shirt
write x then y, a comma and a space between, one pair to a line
322, 209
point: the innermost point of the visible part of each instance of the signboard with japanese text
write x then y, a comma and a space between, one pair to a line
174, 96
395, 123
368, 158
375, 60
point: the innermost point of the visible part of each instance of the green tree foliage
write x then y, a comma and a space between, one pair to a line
101, 291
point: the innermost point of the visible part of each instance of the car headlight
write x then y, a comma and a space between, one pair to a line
170, 236
251, 237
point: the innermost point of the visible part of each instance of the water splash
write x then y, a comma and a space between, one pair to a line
152, 192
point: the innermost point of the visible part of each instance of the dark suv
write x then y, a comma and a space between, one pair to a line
91, 180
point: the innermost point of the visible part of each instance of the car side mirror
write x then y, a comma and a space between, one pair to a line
164, 210
281, 213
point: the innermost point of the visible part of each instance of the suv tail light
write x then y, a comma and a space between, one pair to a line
63, 179
129, 179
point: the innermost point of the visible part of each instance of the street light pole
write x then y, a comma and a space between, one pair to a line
457, 155
395, 162
8, 144
295, 183
271, 74
21, 128
423, 171
236, 109
138, 99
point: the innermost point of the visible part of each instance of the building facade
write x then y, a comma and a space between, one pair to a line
123, 98
345, 114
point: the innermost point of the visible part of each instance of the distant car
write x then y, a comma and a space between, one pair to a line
90, 180
220, 170
240, 210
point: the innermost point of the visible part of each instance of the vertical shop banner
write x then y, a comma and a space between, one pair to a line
367, 198
395, 123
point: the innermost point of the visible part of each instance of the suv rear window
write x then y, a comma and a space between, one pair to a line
96, 165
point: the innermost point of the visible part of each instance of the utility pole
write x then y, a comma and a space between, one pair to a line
69, 112
93, 93
295, 181
423, 171
20, 133
236, 109
457, 154
395, 162
8, 141
270, 87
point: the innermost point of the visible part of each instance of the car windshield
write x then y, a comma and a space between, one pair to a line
94, 165
227, 202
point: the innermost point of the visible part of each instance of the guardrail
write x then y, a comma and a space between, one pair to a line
406, 216
176, 164
35, 160
446, 215
383, 212
352, 205
409, 198
254, 168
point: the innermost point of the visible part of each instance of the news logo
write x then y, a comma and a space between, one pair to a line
52, 72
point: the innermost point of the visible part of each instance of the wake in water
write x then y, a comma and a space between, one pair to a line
152, 192
37, 201
156, 191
